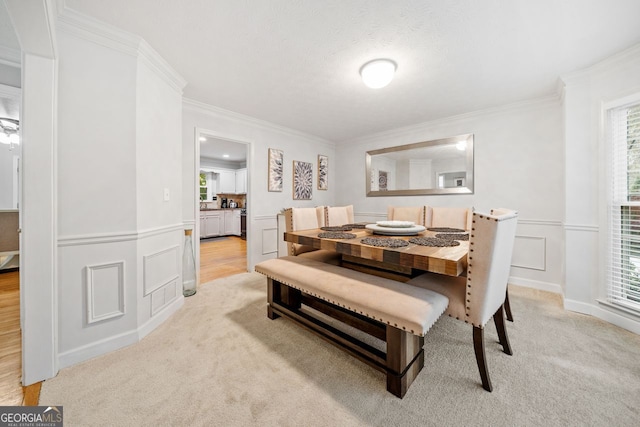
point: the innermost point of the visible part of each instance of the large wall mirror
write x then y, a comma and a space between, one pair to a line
441, 166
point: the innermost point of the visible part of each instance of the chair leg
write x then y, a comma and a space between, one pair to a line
507, 306
498, 319
478, 346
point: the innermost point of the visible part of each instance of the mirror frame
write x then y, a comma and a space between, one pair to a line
467, 189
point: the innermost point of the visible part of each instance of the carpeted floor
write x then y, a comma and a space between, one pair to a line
220, 361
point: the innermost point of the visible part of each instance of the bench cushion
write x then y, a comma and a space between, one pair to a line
403, 306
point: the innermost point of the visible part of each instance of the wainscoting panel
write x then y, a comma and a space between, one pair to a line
105, 291
530, 252
269, 240
160, 268
164, 296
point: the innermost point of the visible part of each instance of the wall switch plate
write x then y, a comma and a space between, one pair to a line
167, 195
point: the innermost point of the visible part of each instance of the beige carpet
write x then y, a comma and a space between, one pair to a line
220, 361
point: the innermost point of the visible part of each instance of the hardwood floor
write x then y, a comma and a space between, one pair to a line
222, 257
11, 391
219, 257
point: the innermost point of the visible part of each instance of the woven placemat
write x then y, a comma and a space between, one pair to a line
433, 241
446, 229
355, 225
337, 228
453, 236
336, 235
384, 242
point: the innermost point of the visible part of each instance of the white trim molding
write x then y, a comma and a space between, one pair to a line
92, 282
116, 236
582, 227
10, 57
536, 284
269, 240
217, 112
606, 312
540, 254
88, 28
11, 92
167, 259
398, 133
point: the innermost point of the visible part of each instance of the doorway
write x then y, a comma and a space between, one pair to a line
11, 391
222, 206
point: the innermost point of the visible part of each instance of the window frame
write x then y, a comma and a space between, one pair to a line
615, 245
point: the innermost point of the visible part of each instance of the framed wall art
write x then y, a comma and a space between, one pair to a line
323, 172
276, 159
382, 181
302, 180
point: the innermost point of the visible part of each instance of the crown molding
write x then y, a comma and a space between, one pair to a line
10, 57
221, 113
620, 58
90, 29
529, 104
10, 92
160, 66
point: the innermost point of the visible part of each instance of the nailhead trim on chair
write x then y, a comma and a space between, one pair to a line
291, 250
342, 305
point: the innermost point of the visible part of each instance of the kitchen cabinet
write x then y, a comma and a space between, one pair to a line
232, 222
241, 181
223, 222
228, 222
211, 223
237, 222
227, 182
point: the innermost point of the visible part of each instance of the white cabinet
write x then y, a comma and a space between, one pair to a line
220, 223
232, 222
237, 229
241, 181
231, 181
211, 223
227, 182
228, 222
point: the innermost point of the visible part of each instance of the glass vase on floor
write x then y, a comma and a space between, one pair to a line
188, 266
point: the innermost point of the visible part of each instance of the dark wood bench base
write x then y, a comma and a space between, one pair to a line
403, 359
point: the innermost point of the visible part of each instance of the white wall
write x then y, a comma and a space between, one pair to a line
586, 93
519, 164
120, 240
263, 205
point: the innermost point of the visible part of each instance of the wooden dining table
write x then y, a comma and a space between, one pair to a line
401, 263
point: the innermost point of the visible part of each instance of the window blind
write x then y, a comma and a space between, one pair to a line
624, 221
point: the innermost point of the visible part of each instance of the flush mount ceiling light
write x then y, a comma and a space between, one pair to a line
378, 73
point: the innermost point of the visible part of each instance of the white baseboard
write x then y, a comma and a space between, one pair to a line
107, 345
536, 284
603, 314
160, 317
95, 349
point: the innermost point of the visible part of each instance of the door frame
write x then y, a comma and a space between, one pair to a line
199, 131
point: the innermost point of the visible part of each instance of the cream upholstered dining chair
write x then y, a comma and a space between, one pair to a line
338, 215
416, 214
453, 217
480, 295
305, 219
507, 304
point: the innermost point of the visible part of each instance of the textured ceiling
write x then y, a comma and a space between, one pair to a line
295, 62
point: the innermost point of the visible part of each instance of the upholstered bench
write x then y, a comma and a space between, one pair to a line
391, 311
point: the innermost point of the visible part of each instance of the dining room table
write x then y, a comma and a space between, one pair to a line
360, 250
